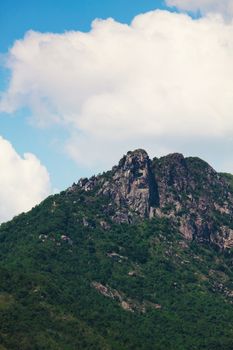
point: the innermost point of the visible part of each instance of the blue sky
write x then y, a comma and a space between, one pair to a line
16, 17
77, 102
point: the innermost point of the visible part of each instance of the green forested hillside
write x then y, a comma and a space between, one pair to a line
229, 178
73, 279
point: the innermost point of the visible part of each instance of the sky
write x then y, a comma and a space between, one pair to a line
83, 82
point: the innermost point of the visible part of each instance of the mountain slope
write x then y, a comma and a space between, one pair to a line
107, 264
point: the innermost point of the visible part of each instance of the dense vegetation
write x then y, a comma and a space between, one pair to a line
180, 294
229, 179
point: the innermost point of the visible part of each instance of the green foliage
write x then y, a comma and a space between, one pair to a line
47, 300
229, 179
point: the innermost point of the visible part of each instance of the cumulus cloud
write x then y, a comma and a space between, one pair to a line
24, 181
225, 7
164, 77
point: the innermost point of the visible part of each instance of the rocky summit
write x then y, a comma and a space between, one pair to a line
187, 190
137, 258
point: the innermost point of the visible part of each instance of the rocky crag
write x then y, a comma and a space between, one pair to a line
197, 199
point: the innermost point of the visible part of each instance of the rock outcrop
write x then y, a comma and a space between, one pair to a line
192, 192
187, 190
133, 184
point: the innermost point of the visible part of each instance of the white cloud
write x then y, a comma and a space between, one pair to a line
224, 7
24, 182
165, 76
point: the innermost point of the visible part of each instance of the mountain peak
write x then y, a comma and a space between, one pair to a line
132, 186
139, 152
186, 190
134, 159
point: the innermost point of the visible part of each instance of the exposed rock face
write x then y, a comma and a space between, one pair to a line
187, 190
125, 302
224, 237
133, 184
190, 189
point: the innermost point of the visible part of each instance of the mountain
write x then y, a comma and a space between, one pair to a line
186, 190
139, 257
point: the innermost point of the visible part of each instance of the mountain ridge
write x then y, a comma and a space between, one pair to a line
172, 186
